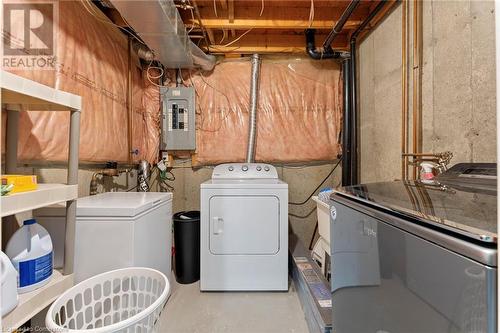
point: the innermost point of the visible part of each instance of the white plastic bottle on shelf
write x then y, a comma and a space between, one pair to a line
30, 250
8, 279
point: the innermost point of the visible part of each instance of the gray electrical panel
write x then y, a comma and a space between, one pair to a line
178, 118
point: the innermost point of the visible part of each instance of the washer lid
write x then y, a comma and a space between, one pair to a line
471, 212
120, 204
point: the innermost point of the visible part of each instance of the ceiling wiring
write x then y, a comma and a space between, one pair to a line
154, 77
193, 20
89, 7
215, 8
237, 39
201, 113
224, 35
311, 14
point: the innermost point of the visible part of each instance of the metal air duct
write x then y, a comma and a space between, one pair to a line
160, 26
254, 99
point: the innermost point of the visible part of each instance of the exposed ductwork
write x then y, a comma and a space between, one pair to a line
159, 25
254, 99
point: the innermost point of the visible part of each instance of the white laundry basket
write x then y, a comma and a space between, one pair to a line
123, 300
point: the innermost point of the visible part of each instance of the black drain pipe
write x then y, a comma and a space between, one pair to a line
326, 53
351, 174
340, 23
347, 114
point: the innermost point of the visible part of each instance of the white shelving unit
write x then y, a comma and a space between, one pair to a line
20, 94
44, 195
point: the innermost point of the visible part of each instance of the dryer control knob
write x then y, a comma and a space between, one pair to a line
258, 168
266, 168
231, 168
244, 168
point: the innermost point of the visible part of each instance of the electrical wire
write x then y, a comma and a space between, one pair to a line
303, 216
237, 39
136, 186
92, 11
164, 178
224, 35
311, 14
317, 188
262, 9
201, 111
154, 77
215, 9
192, 22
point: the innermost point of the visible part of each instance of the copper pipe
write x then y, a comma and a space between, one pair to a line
101, 173
404, 90
129, 102
422, 154
417, 82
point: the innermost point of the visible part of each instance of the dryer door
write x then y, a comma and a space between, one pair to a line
242, 225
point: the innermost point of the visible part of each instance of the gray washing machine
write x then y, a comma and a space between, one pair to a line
413, 257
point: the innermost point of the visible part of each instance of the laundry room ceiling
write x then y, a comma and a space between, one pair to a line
269, 26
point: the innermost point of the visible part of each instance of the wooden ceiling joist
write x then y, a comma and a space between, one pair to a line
223, 4
246, 26
271, 43
230, 15
241, 24
285, 3
230, 10
274, 17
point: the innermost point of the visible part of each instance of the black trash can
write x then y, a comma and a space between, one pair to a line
187, 246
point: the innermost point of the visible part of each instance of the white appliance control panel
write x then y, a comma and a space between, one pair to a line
244, 171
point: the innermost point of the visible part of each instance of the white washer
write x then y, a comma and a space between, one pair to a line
244, 229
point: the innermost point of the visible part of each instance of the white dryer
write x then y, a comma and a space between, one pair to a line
244, 229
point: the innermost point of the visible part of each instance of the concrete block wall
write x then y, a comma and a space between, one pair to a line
458, 87
301, 181
186, 189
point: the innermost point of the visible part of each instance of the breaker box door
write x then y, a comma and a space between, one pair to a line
178, 118
242, 225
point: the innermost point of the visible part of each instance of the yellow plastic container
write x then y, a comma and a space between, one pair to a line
22, 183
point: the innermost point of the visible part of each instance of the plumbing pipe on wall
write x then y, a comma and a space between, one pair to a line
404, 88
327, 52
347, 114
254, 97
353, 172
340, 23
129, 102
417, 81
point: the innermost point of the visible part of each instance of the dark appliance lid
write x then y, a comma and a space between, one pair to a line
464, 210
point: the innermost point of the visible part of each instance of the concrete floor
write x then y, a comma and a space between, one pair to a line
189, 310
